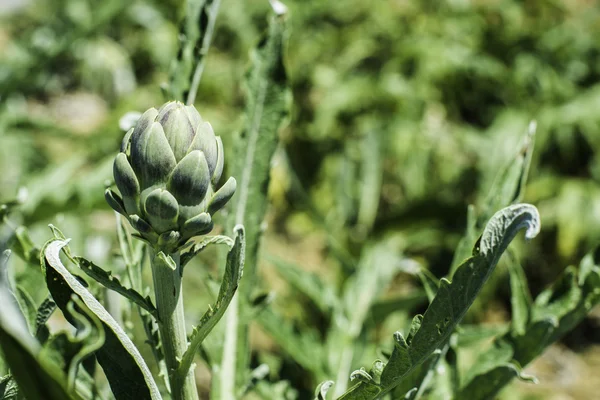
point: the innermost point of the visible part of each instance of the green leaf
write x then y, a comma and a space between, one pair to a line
24, 246
42, 188
8, 388
266, 107
189, 254
231, 278
302, 344
507, 189
378, 265
414, 383
487, 387
257, 375
71, 350
106, 279
196, 30
365, 390
27, 306
371, 179
124, 367
38, 377
44, 312
469, 335
509, 184
133, 255
501, 352
322, 389
308, 283
382, 308
453, 299
430, 283
520, 298
555, 312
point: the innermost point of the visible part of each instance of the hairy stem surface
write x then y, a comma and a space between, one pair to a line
166, 273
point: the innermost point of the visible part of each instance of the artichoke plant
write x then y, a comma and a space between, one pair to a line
166, 173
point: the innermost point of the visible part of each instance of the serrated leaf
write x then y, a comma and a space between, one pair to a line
231, 278
365, 390
453, 299
8, 388
124, 367
38, 378
195, 35
106, 279
267, 105
378, 265
556, 311
189, 254
412, 384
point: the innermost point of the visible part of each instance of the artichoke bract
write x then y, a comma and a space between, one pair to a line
166, 173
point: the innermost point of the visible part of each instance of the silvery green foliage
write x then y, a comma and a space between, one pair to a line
125, 369
432, 330
166, 174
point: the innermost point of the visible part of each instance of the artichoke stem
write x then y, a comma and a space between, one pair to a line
169, 302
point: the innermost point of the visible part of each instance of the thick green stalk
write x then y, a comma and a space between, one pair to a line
166, 273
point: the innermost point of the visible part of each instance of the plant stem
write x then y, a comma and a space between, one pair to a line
166, 273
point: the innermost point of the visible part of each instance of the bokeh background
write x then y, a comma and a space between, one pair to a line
403, 112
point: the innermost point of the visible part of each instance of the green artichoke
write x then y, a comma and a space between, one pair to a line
166, 172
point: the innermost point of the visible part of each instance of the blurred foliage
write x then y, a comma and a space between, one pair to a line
403, 113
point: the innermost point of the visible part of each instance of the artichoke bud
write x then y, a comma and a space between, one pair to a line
216, 175
169, 240
115, 202
166, 172
190, 179
162, 210
178, 130
206, 141
142, 226
222, 196
127, 183
151, 156
198, 225
126, 142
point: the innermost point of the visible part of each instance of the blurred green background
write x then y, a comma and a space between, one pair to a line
403, 111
